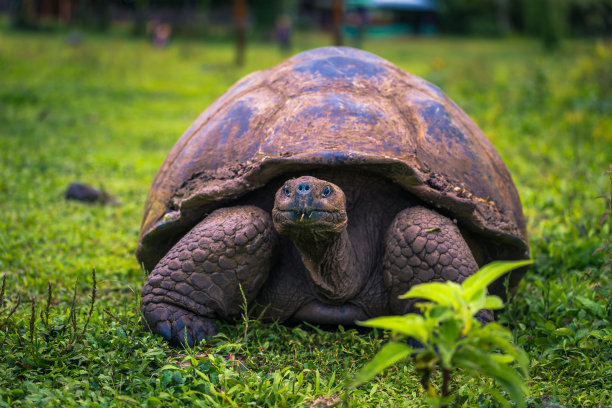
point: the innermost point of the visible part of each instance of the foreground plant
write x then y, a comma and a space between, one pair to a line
452, 338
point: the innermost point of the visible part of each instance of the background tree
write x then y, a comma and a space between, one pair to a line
22, 13
337, 18
240, 14
546, 19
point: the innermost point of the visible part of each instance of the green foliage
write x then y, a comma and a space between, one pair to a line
108, 110
475, 17
606, 245
452, 338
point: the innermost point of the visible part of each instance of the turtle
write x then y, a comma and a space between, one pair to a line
320, 190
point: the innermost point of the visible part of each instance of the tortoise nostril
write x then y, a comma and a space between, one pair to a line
304, 188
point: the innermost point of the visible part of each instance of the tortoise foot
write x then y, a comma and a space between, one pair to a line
209, 273
423, 246
177, 325
485, 316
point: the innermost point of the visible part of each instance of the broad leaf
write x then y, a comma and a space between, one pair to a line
390, 354
485, 276
477, 302
450, 330
411, 325
593, 307
448, 341
493, 303
498, 396
497, 336
502, 358
477, 361
447, 294
563, 331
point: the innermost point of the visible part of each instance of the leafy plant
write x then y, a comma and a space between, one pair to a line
453, 338
42, 348
606, 245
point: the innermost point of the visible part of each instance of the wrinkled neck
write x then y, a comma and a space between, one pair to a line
330, 261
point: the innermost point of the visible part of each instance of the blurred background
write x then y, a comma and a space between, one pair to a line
347, 22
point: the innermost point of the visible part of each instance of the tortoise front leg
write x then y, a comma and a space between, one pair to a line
200, 278
424, 246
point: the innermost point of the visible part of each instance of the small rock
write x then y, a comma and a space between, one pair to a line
88, 194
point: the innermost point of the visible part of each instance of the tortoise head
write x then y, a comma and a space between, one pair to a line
307, 204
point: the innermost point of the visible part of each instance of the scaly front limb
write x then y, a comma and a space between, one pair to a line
201, 277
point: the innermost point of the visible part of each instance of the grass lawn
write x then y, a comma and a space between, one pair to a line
107, 112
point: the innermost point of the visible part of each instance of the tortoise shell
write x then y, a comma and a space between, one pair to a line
334, 106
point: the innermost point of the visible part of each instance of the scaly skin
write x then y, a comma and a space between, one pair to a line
423, 246
199, 279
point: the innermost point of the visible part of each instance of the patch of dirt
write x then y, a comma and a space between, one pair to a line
326, 402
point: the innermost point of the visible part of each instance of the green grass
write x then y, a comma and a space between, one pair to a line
108, 111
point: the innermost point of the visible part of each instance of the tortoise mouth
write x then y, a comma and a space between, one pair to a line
305, 215
288, 219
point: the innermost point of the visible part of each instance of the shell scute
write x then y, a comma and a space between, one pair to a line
342, 123
341, 68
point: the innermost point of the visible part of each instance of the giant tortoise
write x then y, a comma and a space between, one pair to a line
319, 190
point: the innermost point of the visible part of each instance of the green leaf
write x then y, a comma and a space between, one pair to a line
412, 325
450, 330
550, 326
390, 354
498, 396
502, 358
449, 340
498, 336
440, 313
563, 331
447, 293
493, 303
479, 362
593, 307
202, 375
169, 367
486, 275
127, 400
154, 401
478, 300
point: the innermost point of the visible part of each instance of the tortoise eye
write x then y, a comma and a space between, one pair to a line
326, 191
286, 191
